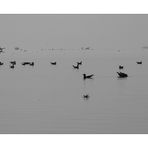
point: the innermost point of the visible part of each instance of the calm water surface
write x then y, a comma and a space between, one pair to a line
48, 99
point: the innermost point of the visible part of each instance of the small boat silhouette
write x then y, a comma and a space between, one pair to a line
53, 63
140, 62
87, 76
122, 75
120, 67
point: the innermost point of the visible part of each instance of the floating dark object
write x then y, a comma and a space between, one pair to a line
88, 76
12, 66
87, 48
13, 62
53, 63
28, 63
32, 64
86, 97
79, 63
1, 63
140, 62
120, 67
122, 75
17, 48
76, 67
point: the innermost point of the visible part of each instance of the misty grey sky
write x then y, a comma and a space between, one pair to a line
74, 31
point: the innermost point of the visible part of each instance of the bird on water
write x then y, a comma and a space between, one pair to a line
53, 63
87, 76
79, 63
140, 62
86, 97
122, 75
76, 66
120, 67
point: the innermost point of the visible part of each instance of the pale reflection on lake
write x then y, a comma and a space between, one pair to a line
49, 98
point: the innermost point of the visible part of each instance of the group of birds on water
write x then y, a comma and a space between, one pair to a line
13, 63
76, 66
122, 74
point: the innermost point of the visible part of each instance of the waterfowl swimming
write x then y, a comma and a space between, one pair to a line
88, 76
31, 63
120, 67
12, 66
79, 63
28, 63
13, 62
53, 63
122, 75
76, 67
25, 63
140, 62
86, 97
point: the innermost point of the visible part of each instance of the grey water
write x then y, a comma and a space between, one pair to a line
49, 98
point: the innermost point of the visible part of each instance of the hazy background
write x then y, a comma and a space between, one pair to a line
48, 99
73, 31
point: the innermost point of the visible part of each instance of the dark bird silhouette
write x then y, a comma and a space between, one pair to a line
140, 62
12, 66
25, 63
86, 97
53, 63
76, 67
79, 63
87, 76
122, 75
31, 63
120, 67
1, 63
28, 63
13, 62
